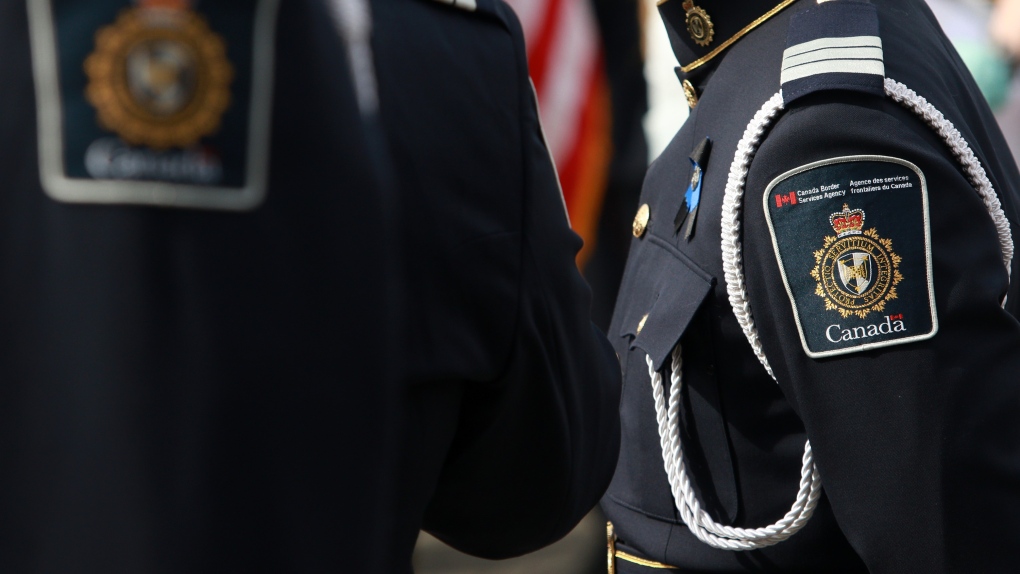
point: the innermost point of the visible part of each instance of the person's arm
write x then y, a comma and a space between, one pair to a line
917, 442
536, 450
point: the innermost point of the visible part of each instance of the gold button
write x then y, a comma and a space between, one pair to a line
690, 93
641, 220
611, 548
641, 324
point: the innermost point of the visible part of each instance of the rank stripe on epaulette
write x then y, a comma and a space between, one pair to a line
833, 46
854, 55
469, 5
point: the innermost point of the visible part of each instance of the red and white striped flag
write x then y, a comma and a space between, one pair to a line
566, 64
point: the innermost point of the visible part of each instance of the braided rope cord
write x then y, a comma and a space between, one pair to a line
971, 165
698, 521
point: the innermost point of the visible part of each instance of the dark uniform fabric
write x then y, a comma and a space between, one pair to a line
511, 392
188, 390
917, 444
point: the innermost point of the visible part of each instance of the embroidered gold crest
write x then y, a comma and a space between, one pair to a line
856, 271
159, 76
699, 25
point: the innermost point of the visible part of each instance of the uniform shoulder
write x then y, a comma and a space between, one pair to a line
833, 46
492, 9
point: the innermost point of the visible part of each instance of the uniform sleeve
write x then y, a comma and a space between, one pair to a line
917, 443
535, 452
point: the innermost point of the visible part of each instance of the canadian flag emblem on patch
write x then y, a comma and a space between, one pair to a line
848, 287
786, 199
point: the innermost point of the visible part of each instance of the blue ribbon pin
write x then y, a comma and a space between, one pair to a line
692, 197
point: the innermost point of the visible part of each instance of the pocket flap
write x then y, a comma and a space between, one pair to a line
660, 310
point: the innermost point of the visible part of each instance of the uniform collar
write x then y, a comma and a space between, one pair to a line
700, 31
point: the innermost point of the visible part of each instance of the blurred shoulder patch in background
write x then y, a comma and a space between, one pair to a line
154, 102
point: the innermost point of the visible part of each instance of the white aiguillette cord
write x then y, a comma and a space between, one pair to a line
690, 508
697, 520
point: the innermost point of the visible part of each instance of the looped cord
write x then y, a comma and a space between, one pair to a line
697, 520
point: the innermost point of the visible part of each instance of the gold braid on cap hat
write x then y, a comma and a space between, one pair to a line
743, 32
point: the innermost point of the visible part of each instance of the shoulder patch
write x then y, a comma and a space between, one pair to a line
853, 242
833, 46
154, 102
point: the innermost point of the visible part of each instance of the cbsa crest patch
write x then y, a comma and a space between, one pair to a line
857, 270
154, 102
853, 243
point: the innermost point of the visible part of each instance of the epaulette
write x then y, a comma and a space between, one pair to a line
833, 46
469, 5
491, 8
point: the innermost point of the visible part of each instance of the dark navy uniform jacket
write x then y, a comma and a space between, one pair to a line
395, 336
917, 444
512, 393
186, 389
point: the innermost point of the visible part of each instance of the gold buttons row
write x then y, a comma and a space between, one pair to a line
640, 226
